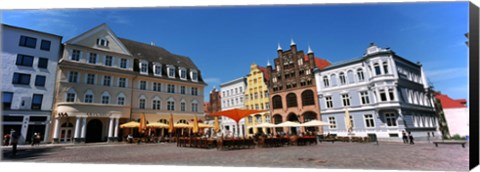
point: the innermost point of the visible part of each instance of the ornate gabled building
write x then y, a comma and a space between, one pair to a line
104, 81
292, 87
256, 97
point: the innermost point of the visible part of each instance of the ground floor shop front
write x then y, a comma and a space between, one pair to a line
26, 124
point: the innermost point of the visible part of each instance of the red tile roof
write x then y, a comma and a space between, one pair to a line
448, 102
320, 63
265, 72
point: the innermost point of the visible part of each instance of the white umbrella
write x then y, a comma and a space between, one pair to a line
265, 124
314, 123
288, 124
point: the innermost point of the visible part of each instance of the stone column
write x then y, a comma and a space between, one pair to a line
56, 130
116, 129
110, 129
380, 64
387, 93
84, 128
76, 136
395, 93
379, 99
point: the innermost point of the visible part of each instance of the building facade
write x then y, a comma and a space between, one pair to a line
456, 115
104, 81
256, 97
232, 97
292, 87
382, 93
29, 62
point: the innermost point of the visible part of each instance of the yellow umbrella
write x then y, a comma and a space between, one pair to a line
202, 125
131, 124
195, 124
157, 125
216, 126
348, 123
182, 125
170, 124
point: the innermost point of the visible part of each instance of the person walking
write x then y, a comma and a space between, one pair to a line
6, 139
404, 137
14, 141
33, 140
410, 137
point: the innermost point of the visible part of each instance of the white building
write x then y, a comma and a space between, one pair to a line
29, 63
232, 93
456, 115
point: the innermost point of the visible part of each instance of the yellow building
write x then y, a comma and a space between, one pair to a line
256, 97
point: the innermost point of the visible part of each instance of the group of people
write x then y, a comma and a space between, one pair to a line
11, 139
36, 138
407, 138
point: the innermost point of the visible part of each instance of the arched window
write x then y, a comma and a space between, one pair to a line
171, 104
71, 95
277, 119
308, 98
88, 96
194, 106
360, 75
350, 77
156, 103
385, 67
277, 102
121, 99
325, 81
291, 100
333, 79
377, 69
141, 102
105, 97
343, 81
182, 121
164, 121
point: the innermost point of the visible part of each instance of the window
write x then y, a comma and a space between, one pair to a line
291, 100
194, 91
277, 102
73, 77
171, 88
171, 105
333, 80
40, 80
182, 90
308, 98
256, 107
194, 107
171, 72
105, 99
21, 78
267, 106
76, 55
391, 94
29, 42
141, 104
342, 78
266, 94
391, 119
123, 63
364, 97
325, 81
45, 45
360, 75
346, 100
385, 67
383, 96
255, 95
121, 100
42, 62
329, 102
106, 80
7, 100
88, 98
369, 121
194, 76
182, 106
122, 82
108, 60
183, 74
70, 97
158, 70
91, 79
102, 42
143, 68
157, 86
24, 60
37, 101
93, 58
156, 104
143, 85
333, 122
377, 69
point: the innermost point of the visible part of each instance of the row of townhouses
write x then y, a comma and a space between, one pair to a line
382, 93
83, 89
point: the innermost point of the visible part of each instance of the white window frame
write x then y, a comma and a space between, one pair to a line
140, 85
364, 96
360, 75
125, 84
94, 78
126, 63
326, 82
346, 99
140, 66
109, 81
342, 78
192, 72
182, 70
390, 116
105, 94
171, 68
142, 103
72, 79
85, 97
157, 72
333, 122
79, 55
90, 58
111, 60
123, 102
328, 99
369, 118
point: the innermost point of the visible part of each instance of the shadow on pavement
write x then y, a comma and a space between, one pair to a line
26, 153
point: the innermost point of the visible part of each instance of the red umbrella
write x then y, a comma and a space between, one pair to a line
237, 114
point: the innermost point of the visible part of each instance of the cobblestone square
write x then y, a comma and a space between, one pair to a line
384, 156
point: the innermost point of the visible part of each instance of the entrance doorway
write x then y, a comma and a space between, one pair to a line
66, 132
94, 131
293, 118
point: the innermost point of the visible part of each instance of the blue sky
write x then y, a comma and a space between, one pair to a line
224, 41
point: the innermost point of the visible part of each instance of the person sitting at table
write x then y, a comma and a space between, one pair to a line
130, 138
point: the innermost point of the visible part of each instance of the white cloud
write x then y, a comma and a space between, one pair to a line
117, 18
446, 74
212, 81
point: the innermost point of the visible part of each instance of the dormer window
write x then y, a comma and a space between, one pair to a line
194, 75
171, 71
183, 73
157, 70
143, 67
102, 42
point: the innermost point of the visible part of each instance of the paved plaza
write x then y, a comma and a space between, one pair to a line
421, 156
